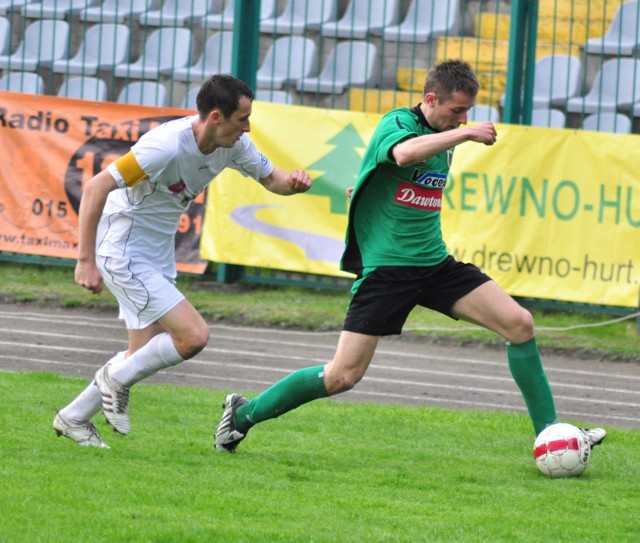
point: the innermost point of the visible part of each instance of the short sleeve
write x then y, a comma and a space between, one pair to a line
147, 158
395, 126
249, 161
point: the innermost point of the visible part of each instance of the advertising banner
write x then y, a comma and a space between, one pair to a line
245, 224
550, 214
50, 146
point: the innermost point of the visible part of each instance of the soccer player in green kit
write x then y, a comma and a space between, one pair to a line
394, 246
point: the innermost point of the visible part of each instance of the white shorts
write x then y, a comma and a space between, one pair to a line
144, 293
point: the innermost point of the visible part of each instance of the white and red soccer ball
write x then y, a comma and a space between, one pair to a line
561, 450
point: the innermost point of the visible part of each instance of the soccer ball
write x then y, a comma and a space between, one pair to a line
561, 450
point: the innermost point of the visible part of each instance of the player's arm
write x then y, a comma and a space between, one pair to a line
281, 182
94, 197
416, 150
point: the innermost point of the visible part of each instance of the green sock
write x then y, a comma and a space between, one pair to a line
527, 371
298, 388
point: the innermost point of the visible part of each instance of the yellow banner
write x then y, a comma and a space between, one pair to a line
550, 214
247, 225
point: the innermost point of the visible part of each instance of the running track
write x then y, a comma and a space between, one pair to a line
77, 342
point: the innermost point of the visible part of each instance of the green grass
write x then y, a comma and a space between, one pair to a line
328, 472
314, 309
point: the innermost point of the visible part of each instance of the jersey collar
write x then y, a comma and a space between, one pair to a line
422, 119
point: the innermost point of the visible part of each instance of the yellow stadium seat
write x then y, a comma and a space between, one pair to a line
585, 10
492, 26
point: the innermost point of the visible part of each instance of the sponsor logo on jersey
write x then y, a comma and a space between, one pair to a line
429, 179
178, 187
419, 197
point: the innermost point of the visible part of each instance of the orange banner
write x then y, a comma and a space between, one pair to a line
51, 146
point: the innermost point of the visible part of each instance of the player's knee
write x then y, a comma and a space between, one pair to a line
190, 345
521, 328
351, 379
343, 381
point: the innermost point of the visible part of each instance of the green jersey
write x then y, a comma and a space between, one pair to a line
394, 217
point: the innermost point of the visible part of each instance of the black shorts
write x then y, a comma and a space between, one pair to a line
384, 298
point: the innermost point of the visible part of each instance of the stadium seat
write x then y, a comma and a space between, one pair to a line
616, 86
547, 117
189, 101
144, 93
215, 58
363, 17
164, 50
298, 15
275, 96
5, 36
55, 9
26, 82
115, 11
104, 46
557, 78
224, 19
607, 122
623, 35
481, 112
44, 42
176, 13
350, 63
9, 6
425, 19
288, 59
84, 88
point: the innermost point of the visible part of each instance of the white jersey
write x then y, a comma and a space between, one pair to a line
158, 181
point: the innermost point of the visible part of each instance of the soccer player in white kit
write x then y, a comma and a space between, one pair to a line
128, 220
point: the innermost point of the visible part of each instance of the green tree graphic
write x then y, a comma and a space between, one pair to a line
340, 168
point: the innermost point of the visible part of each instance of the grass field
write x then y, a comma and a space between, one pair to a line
329, 472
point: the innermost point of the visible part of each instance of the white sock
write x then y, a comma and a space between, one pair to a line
89, 401
158, 353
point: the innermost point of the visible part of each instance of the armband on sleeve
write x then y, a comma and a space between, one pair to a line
126, 171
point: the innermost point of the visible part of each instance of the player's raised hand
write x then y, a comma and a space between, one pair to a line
88, 276
484, 132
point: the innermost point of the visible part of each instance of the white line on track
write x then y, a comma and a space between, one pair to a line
311, 360
300, 341
303, 345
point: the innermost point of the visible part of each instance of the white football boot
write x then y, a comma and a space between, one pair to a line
83, 433
115, 400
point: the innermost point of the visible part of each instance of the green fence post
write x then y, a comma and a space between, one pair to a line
246, 42
518, 36
530, 56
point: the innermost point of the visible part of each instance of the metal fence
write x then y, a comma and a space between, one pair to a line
362, 55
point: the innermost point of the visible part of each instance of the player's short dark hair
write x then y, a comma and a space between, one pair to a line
222, 92
449, 76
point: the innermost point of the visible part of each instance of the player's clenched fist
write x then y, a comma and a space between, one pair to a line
483, 133
89, 277
299, 181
